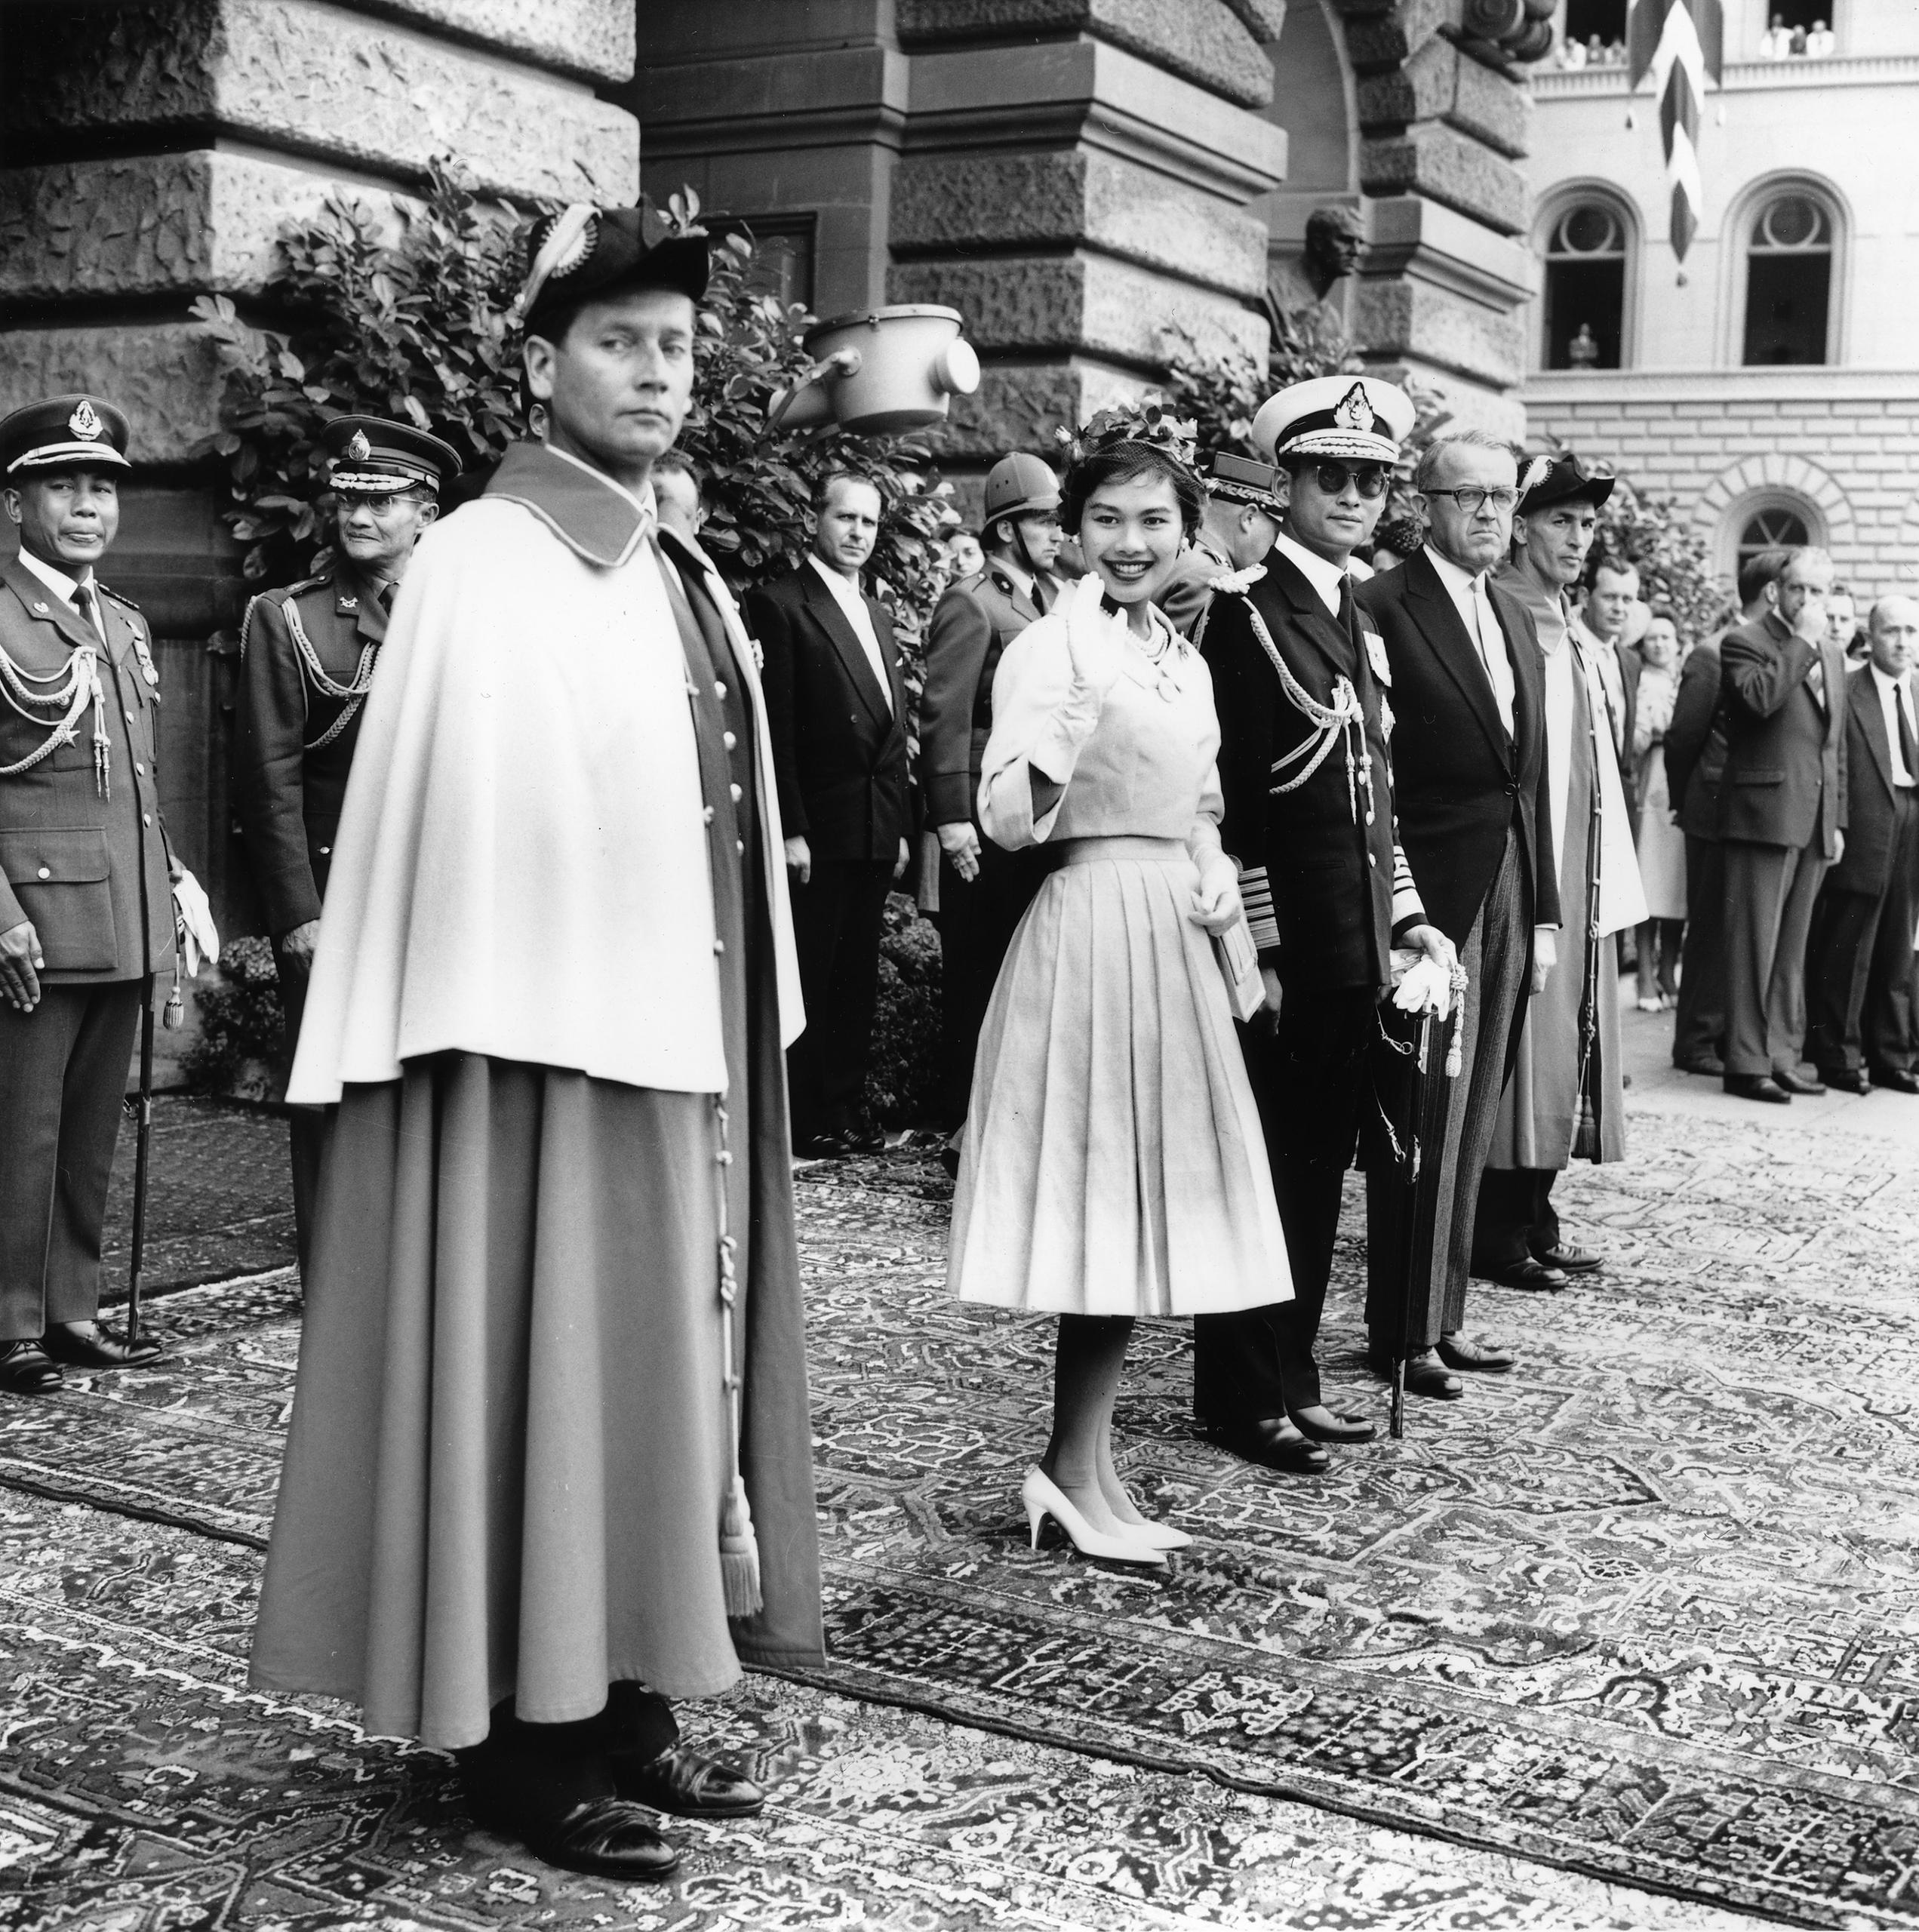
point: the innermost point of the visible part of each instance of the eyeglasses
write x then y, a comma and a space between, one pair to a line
1473, 501
1369, 481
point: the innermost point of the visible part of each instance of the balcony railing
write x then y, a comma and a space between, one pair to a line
1741, 76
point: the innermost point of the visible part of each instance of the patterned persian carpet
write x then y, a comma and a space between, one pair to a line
1625, 1636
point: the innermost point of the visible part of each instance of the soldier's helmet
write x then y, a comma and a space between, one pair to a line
1020, 485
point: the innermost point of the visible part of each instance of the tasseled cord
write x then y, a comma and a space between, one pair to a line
740, 1550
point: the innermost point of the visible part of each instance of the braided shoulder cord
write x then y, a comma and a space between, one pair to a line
1342, 721
76, 686
355, 694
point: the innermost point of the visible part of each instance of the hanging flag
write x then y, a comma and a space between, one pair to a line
1680, 43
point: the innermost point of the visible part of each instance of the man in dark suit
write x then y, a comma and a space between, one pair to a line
983, 890
1781, 821
1695, 763
308, 655
1469, 764
86, 881
1306, 773
1603, 618
836, 706
1860, 965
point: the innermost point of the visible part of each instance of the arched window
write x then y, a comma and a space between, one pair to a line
1788, 280
1585, 288
1605, 18
1776, 526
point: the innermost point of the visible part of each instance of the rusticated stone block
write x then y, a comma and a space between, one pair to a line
1381, 38
1085, 303
287, 71
166, 375
1414, 318
148, 225
1437, 161
594, 38
1201, 39
950, 202
1440, 83
1264, 19
1023, 405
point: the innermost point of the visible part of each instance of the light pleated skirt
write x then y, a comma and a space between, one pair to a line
1113, 1163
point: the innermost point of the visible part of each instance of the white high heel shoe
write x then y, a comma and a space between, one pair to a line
1043, 1497
1156, 1535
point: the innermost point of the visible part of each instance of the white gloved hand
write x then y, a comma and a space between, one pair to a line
193, 918
1216, 903
1097, 637
1426, 987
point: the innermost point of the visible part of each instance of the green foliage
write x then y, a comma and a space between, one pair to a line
240, 1023
408, 315
902, 1076
1674, 565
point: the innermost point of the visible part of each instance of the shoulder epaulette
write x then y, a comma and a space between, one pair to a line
118, 596
305, 584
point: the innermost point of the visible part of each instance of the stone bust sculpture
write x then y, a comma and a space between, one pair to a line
1334, 244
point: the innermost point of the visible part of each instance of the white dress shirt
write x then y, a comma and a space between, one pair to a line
1327, 579
847, 597
1890, 689
66, 588
1467, 592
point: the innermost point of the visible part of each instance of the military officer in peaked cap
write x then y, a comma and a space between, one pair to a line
86, 902
983, 889
309, 653
1303, 688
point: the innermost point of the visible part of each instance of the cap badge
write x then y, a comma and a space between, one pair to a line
1353, 411
358, 447
1537, 471
577, 250
85, 422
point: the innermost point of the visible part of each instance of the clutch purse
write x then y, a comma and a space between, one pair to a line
1239, 966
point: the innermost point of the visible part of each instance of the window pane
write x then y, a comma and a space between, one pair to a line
1590, 230
1768, 528
1786, 298
1590, 295
1793, 221
1605, 18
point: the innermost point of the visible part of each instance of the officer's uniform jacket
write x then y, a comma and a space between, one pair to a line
88, 862
296, 740
1325, 883
973, 624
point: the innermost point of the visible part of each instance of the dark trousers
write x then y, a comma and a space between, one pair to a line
1770, 890
1516, 1220
839, 915
1699, 1026
62, 1079
1309, 1076
977, 918
307, 1128
538, 1773
1859, 970
1495, 955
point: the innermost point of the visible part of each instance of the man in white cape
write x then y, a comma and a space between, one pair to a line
549, 1464
1565, 1098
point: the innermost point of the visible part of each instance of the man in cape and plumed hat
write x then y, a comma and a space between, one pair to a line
549, 1464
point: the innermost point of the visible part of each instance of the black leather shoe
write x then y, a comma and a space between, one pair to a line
1272, 1442
1534, 1276
1846, 1079
607, 1837
1898, 1079
26, 1370
1321, 1424
1757, 1086
1425, 1376
1480, 1357
821, 1147
682, 1781
90, 1345
1707, 1063
1571, 1260
868, 1139
1794, 1082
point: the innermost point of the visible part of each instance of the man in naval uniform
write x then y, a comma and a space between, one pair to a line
1301, 685
309, 653
86, 903
984, 890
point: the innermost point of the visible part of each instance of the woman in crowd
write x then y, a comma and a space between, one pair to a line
1113, 1165
1661, 844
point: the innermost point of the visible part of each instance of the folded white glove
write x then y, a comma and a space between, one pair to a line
1217, 903
1425, 986
193, 920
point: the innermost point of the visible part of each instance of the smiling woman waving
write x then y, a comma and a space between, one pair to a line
1113, 1165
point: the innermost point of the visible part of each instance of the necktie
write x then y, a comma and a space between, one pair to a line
1908, 750
1816, 680
1349, 616
386, 593
1039, 598
87, 604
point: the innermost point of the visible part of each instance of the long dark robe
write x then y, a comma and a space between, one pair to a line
507, 1459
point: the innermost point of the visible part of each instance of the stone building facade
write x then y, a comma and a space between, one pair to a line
1772, 384
1080, 177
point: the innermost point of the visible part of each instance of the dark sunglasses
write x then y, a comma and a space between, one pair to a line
1369, 479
